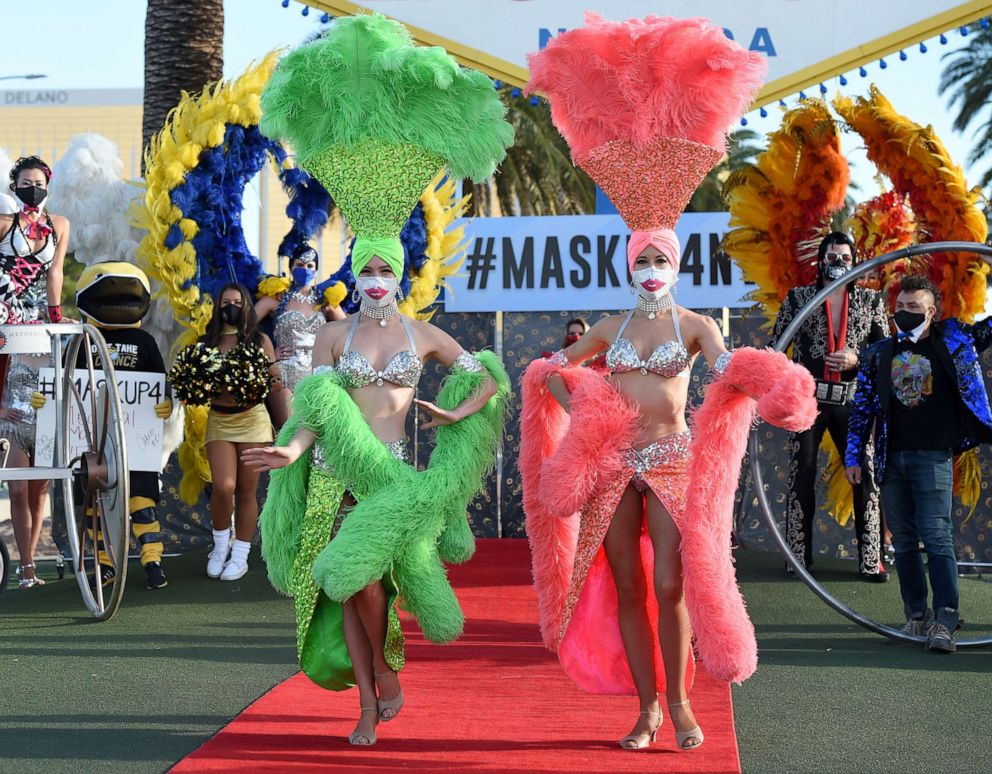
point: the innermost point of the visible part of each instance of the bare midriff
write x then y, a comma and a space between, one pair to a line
661, 401
385, 408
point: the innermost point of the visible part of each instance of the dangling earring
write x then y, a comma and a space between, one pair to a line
399, 295
354, 296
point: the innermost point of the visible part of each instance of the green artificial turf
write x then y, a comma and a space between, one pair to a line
830, 696
138, 692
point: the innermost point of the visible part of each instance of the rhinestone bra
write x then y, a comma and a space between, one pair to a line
670, 359
403, 369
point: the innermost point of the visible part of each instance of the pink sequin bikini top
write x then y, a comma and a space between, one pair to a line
670, 359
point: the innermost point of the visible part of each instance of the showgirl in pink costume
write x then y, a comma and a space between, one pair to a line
617, 490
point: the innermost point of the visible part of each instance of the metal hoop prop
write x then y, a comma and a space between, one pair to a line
759, 485
94, 483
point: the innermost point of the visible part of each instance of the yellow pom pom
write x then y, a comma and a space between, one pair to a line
273, 286
335, 294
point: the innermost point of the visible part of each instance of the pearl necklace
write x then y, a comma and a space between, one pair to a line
653, 307
380, 313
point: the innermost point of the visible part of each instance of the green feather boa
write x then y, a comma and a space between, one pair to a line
405, 521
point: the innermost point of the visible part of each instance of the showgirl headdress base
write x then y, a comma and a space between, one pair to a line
645, 106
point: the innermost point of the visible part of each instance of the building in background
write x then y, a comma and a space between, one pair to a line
42, 121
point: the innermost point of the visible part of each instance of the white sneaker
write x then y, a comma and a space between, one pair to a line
216, 561
234, 569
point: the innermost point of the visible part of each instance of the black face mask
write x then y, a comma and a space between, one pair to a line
31, 195
833, 271
231, 314
907, 321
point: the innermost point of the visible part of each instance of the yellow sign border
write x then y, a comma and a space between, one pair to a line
500, 69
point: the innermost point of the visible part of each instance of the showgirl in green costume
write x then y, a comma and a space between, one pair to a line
349, 525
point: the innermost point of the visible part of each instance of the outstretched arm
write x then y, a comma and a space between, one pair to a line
272, 457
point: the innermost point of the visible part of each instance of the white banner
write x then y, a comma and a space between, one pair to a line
793, 34
579, 262
139, 393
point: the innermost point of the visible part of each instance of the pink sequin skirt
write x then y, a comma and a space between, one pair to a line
591, 650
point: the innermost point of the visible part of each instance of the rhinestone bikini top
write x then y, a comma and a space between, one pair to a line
670, 359
297, 329
403, 369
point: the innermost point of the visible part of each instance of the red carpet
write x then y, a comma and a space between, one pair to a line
496, 700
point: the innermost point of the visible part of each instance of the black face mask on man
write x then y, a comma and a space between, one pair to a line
231, 314
907, 321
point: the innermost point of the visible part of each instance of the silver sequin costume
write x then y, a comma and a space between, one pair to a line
296, 331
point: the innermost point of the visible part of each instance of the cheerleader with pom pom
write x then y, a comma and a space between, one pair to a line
232, 368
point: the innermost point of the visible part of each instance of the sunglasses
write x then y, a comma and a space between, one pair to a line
832, 256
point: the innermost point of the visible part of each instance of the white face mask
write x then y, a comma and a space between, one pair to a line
660, 282
376, 284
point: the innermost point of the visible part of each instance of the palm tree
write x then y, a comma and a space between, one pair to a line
537, 176
184, 51
968, 78
741, 153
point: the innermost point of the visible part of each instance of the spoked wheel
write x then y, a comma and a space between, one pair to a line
90, 440
4, 567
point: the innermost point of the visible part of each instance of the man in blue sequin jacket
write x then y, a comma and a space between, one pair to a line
923, 394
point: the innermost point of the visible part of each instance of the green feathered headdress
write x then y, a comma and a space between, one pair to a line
374, 117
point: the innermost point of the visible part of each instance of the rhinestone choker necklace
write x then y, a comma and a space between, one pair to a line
304, 295
653, 307
380, 313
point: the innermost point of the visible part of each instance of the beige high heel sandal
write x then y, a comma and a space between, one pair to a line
681, 737
369, 736
643, 739
394, 704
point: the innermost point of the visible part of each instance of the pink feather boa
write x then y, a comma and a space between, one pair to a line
561, 463
724, 633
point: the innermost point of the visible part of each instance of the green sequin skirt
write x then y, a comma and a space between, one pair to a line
319, 625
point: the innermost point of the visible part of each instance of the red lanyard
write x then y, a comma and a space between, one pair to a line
835, 343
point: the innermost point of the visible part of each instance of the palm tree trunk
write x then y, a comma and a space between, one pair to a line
184, 51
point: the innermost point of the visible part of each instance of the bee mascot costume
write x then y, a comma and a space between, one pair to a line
115, 296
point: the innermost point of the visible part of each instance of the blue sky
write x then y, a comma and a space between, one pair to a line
76, 55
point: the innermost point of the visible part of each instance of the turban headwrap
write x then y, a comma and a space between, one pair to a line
388, 248
662, 239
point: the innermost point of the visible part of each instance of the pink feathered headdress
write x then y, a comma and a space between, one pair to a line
645, 106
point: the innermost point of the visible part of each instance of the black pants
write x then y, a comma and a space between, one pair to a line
803, 475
